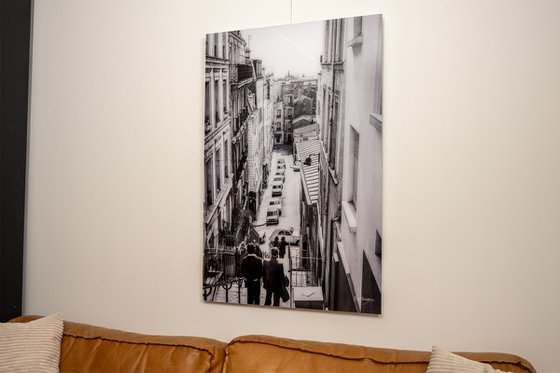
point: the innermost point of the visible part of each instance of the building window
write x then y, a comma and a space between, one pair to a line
209, 182
332, 41
224, 95
207, 121
376, 117
216, 103
218, 173
324, 118
216, 36
378, 69
357, 38
226, 159
357, 26
339, 41
378, 244
326, 42
333, 133
354, 158
278, 113
371, 294
335, 41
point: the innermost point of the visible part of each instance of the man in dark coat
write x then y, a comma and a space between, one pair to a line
268, 297
282, 247
252, 270
274, 277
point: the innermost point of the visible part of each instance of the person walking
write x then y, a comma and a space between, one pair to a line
282, 247
252, 270
258, 251
274, 278
266, 284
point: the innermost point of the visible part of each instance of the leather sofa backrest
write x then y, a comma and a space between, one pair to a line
265, 354
87, 348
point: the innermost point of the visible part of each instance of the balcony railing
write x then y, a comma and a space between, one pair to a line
303, 268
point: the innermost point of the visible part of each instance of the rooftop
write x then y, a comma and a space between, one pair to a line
310, 173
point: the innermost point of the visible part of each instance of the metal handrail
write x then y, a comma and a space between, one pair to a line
227, 285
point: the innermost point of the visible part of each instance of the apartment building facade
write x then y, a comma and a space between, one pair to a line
350, 125
218, 178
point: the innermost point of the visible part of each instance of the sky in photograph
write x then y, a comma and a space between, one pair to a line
295, 48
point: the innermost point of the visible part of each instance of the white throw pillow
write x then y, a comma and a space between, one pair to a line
443, 361
31, 347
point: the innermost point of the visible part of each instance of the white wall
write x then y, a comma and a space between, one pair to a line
471, 172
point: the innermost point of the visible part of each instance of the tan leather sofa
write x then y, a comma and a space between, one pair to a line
87, 348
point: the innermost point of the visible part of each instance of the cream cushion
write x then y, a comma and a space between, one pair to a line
443, 361
32, 346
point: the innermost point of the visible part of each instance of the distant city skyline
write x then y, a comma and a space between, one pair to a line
292, 48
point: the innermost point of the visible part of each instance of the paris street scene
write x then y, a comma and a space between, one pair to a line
293, 166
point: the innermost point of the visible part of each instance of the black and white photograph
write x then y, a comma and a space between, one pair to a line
293, 166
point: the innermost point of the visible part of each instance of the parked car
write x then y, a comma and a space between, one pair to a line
278, 179
296, 166
287, 234
280, 160
281, 166
281, 173
277, 188
276, 202
272, 215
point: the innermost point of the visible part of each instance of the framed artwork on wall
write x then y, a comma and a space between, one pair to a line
293, 166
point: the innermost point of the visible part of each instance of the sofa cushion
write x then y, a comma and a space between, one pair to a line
443, 361
87, 348
31, 347
256, 353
